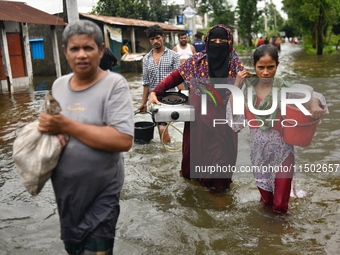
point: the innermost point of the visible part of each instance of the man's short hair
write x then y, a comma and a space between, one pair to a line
182, 34
82, 27
198, 36
154, 30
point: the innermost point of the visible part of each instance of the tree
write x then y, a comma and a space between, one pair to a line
314, 16
336, 31
153, 10
219, 11
274, 19
290, 29
248, 18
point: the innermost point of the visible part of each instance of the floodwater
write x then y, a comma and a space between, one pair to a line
163, 214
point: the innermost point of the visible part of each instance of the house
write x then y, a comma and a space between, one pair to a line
29, 42
16, 69
116, 29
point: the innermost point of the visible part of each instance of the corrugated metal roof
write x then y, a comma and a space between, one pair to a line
130, 22
21, 12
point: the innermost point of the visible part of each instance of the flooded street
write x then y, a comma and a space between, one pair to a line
161, 213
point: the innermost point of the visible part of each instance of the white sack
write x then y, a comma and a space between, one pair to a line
36, 154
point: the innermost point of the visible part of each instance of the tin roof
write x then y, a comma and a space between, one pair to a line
21, 12
131, 22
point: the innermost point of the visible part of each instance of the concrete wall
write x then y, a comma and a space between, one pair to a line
46, 66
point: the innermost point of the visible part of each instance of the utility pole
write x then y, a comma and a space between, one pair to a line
72, 10
194, 19
190, 15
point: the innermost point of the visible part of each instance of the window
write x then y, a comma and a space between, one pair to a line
37, 48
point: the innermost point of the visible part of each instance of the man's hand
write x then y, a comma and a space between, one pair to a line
51, 124
142, 108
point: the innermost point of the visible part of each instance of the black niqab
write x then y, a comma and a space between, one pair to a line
218, 54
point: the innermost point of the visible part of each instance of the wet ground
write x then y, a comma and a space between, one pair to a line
163, 214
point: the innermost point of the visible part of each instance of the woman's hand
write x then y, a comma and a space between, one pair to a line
153, 99
241, 76
316, 110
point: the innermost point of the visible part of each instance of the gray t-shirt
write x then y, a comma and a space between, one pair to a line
86, 181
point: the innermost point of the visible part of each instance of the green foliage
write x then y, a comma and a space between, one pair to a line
242, 48
153, 10
314, 17
327, 49
291, 29
336, 27
248, 17
219, 11
308, 46
275, 22
334, 40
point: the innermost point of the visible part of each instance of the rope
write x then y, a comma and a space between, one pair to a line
165, 129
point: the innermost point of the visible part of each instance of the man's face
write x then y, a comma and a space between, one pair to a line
183, 40
157, 41
83, 54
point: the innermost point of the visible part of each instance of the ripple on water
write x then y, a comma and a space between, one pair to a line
161, 213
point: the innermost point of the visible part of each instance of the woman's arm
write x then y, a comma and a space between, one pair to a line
239, 82
171, 81
318, 105
236, 122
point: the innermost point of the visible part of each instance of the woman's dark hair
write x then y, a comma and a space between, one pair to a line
154, 30
263, 50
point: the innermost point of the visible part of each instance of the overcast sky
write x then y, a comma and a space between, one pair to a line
55, 6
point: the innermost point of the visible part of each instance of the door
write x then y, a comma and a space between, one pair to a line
15, 55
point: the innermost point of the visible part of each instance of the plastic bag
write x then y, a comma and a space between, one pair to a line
36, 154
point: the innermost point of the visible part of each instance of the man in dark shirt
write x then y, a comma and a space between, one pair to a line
139, 48
108, 60
198, 43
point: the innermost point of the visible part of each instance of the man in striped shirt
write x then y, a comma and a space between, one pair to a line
157, 64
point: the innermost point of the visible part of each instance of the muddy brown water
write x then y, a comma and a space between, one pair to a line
163, 214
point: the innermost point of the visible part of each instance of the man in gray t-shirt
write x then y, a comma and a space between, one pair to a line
97, 115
